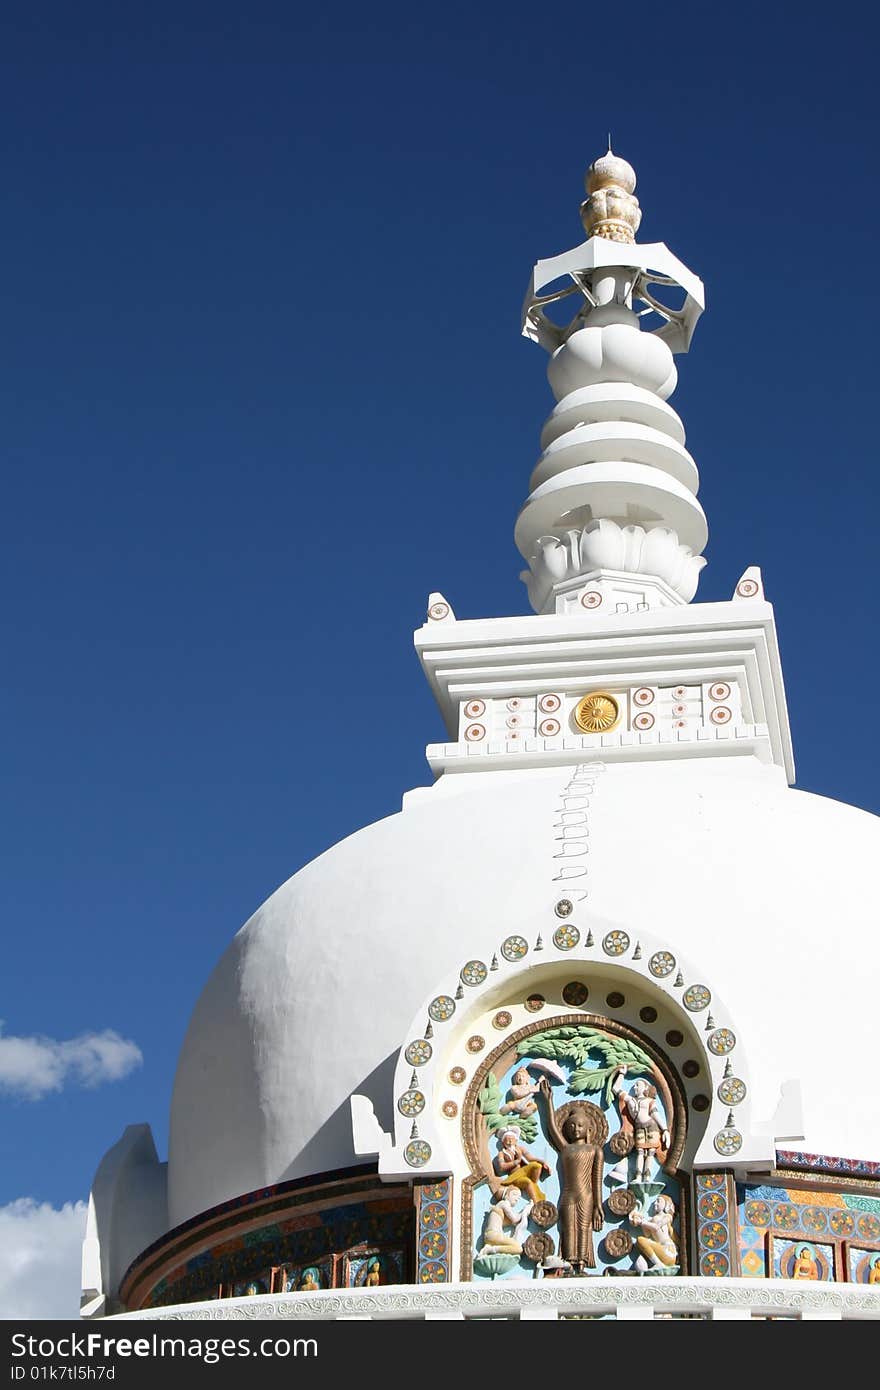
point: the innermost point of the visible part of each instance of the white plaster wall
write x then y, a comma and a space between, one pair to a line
769, 890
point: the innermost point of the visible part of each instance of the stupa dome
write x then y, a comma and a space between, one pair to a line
768, 891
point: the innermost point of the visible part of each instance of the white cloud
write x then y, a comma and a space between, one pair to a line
40, 1259
31, 1067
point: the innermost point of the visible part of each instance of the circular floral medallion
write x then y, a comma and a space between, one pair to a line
474, 732
747, 588
544, 1214
474, 973
679, 723
591, 599
457, 1076
434, 1192
418, 1052
679, 692
502, 1019
643, 721
714, 1235
432, 1273
758, 1213
450, 1109
474, 708
535, 1003
596, 713
720, 715
719, 691
715, 1262
842, 1222
514, 704
711, 1205
538, 1247
621, 1202
564, 908
615, 943
411, 1103
728, 1141
549, 728
549, 704
513, 721
732, 1091
814, 1219
618, 1243
869, 1226
711, 1181
434, 1245
438, 611
786, 1216
434, 1214
696, 997
566, 938
662, 963
575, 993
621, 1143
514, 947
643, 696
475, 1043
679, 710
722, 1041
417, 1153
441, 1008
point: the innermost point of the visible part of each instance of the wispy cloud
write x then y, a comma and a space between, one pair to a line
32, 1067
40, 1256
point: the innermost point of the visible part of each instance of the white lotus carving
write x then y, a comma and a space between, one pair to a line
603, 545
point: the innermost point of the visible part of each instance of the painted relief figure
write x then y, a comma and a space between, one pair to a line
577, 1131
640, 1114
508, 1212
804, 1266
522, 1091
656, 1244
516, 1167
310, 1280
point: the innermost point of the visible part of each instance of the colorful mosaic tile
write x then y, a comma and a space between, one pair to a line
434, 1210
788, 1158
822, 1218
714, 1209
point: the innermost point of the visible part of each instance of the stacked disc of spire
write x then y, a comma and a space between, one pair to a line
612, 507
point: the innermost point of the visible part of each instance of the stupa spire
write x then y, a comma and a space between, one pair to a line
612, 517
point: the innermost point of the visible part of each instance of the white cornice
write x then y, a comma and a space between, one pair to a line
522, 656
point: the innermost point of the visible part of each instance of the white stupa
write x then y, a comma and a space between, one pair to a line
574, 1011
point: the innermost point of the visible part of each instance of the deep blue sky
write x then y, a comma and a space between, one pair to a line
263, 389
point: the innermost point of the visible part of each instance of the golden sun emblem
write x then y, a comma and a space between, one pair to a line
596, 713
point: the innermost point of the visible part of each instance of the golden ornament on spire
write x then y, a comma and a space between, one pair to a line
610, 210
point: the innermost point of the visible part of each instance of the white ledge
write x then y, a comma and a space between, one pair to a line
558, 1297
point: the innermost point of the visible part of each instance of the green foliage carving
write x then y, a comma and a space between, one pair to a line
489, 1103
577, 1043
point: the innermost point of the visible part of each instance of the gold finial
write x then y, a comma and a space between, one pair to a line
610, 210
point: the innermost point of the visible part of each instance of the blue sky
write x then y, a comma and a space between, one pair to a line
263, 389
